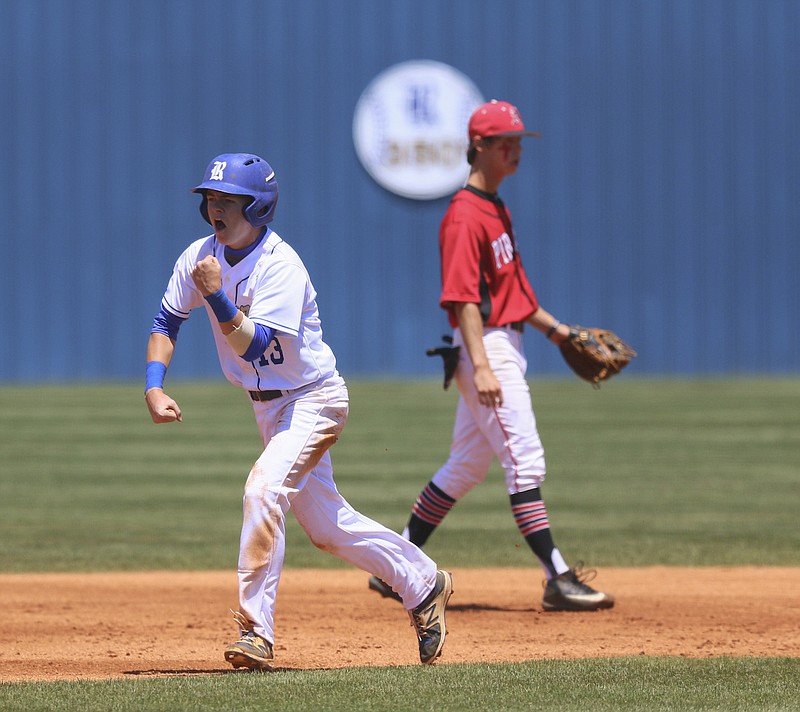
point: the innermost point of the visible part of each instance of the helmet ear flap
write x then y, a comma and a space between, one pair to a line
204, 208
261, 209
247, 210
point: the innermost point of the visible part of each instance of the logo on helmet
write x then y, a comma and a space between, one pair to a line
217, 170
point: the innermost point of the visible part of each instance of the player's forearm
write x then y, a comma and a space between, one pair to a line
245, 337
160, 348
487, 386
159, 355
471, 325
552, 328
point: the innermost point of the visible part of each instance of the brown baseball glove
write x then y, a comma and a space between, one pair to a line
595, 354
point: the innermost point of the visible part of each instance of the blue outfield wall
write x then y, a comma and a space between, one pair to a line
661, 202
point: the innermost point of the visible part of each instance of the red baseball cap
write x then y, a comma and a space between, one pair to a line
497, 118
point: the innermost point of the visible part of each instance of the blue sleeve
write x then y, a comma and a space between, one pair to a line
168, 324
258, 345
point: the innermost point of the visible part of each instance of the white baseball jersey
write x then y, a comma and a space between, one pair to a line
273, 288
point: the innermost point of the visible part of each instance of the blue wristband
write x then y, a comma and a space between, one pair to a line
154, 378
224, 309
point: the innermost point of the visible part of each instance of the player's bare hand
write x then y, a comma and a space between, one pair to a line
162, 408
207, 275
489, 390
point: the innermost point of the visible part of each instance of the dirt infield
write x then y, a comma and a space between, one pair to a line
95, 626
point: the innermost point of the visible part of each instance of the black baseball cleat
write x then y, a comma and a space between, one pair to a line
383, 588
569, 592
428, 619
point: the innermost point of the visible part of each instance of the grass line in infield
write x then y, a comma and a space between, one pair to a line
642, 472
619, 684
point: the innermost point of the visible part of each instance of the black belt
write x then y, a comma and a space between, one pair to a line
265, 395
516, 326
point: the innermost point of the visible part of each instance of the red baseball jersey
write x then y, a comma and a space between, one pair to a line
480, 263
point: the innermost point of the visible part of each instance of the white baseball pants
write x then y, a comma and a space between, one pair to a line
295, 472
507, 431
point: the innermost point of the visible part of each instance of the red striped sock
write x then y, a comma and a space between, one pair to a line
431, 507
531, 517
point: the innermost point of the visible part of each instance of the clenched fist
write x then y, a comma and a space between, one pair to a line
162, 408
207, 275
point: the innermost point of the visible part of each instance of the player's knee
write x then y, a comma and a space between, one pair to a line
521, 481
457, 481
323, 543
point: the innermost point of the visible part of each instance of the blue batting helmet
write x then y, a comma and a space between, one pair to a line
242, 174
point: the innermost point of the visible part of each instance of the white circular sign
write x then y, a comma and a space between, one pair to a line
410, 128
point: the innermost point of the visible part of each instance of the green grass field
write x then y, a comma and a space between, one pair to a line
641, 472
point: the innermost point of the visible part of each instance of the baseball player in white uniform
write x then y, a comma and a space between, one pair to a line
263, 313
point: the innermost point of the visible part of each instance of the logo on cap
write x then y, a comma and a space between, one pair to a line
497, 118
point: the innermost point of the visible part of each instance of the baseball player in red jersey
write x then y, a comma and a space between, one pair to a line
489, 299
